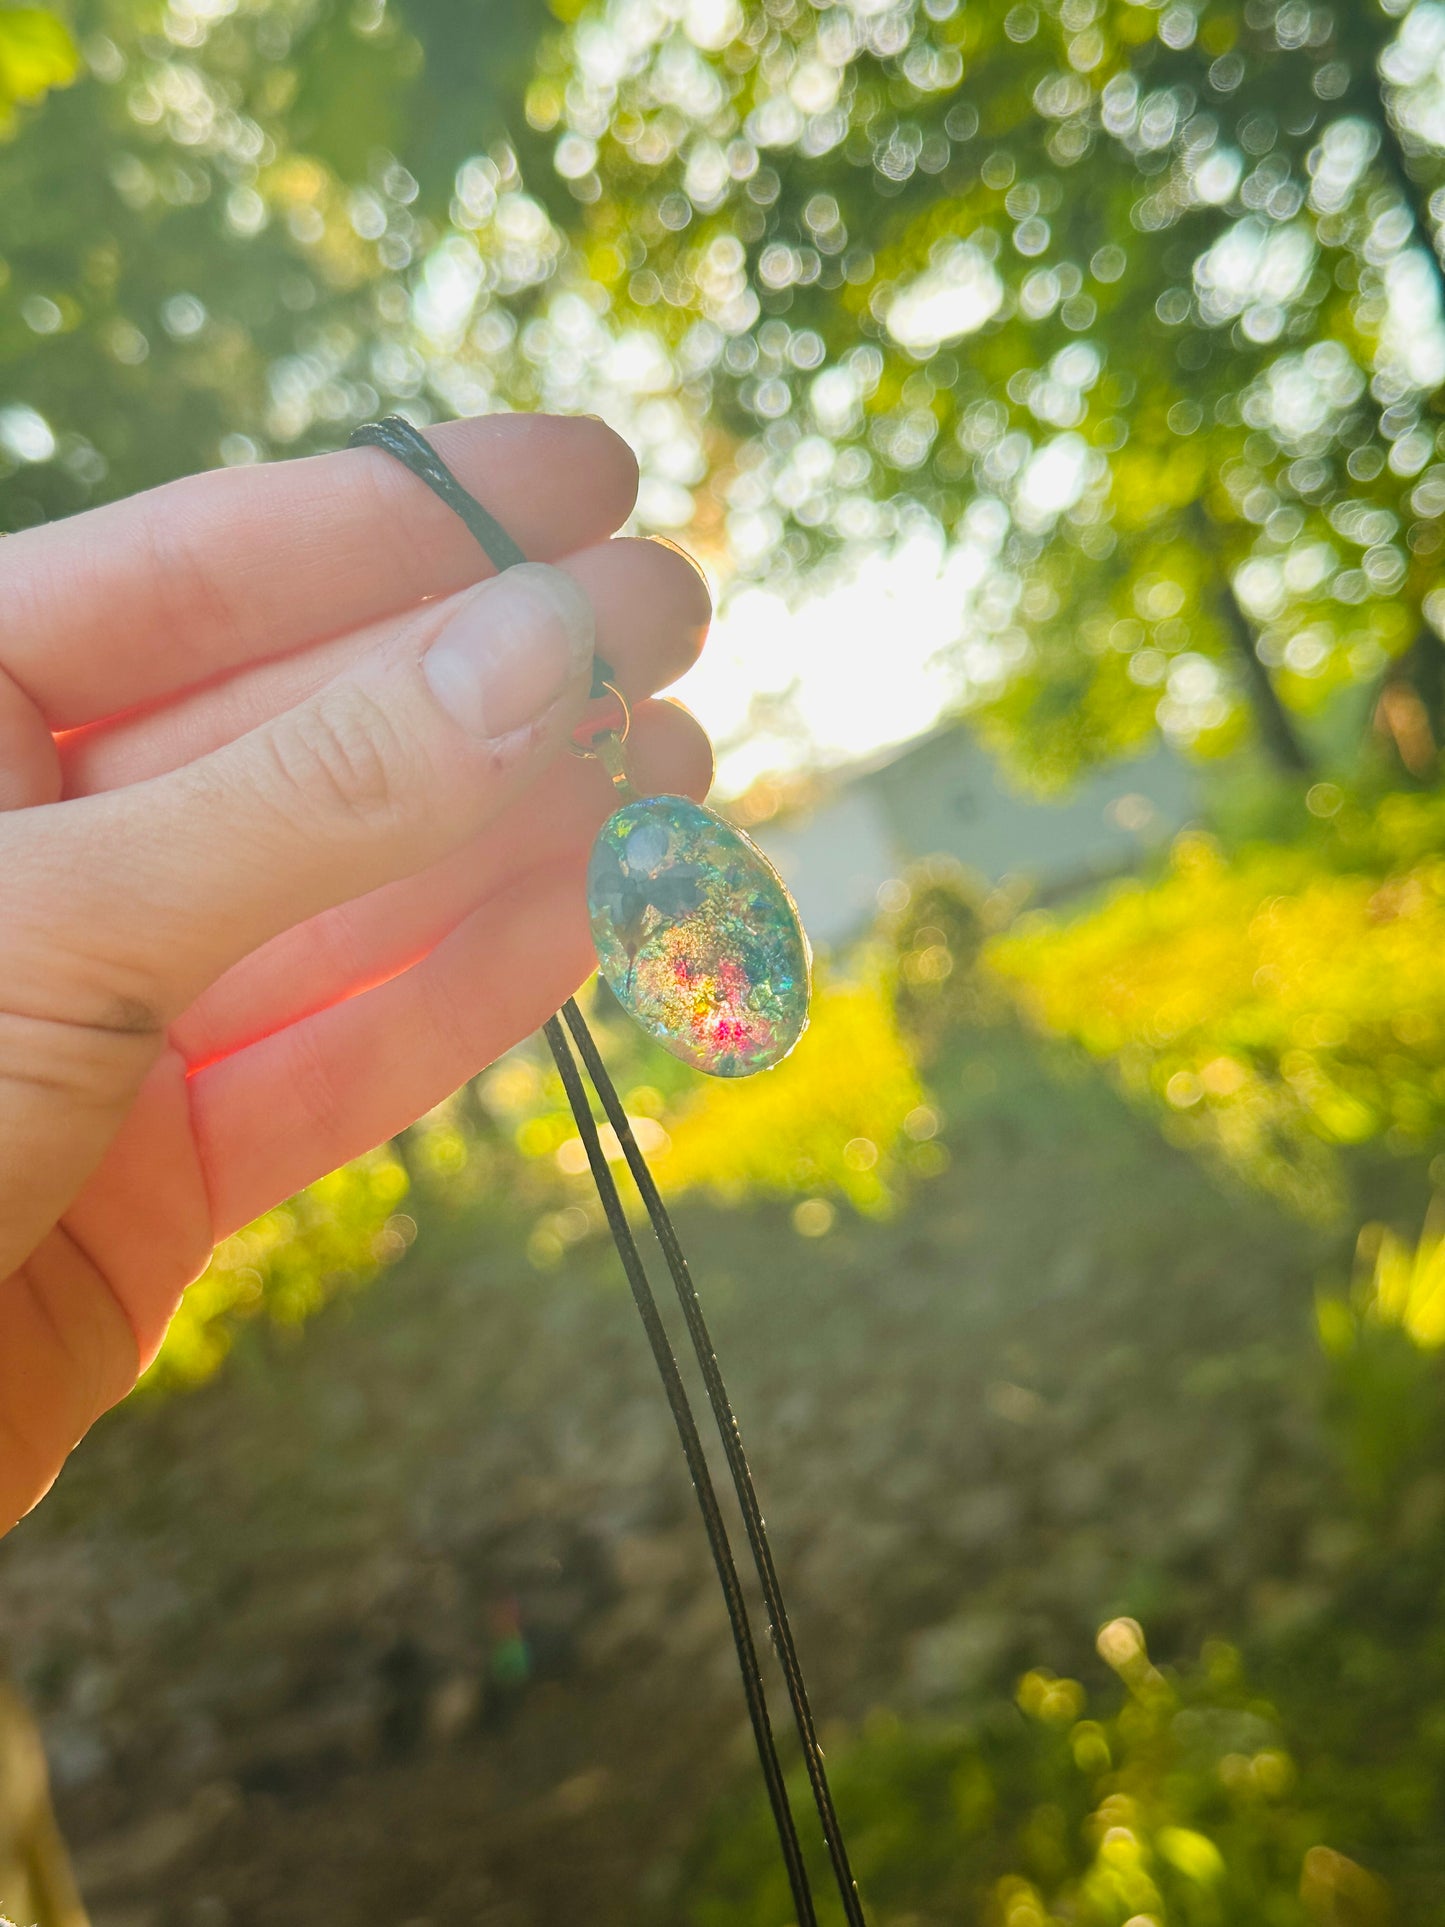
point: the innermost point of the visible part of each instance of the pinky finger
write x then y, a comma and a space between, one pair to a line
294, 1106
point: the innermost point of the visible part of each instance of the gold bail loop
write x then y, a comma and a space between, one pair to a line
608, 751
600, 740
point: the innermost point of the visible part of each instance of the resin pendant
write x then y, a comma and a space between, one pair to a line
697, 936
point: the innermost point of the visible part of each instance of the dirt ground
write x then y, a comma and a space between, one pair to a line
411, 1620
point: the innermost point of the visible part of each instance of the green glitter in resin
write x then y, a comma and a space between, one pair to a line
698, 937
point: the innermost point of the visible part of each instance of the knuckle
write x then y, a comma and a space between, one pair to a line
119, 1013
83, 1061
183, 574
343, 756
64, 971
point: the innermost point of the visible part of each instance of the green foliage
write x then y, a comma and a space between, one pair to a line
1383, 1341
1178, 1805
336, 1235
287, 1265
1300, 1783
209, 239
37, 54
1274, 1006
937, 925
839, 1116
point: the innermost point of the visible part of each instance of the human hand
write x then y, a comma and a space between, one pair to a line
287, 852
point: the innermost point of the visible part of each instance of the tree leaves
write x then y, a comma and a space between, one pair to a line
37, 53
1137, 303
1087, 262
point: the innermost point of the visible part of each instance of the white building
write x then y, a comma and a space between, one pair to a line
945, 796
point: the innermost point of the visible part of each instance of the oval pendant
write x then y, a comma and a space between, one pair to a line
697, 936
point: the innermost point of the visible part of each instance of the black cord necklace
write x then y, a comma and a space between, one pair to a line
734, 1046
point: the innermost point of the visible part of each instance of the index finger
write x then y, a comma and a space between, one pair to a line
125, 605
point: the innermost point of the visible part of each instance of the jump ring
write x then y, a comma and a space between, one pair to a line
595, 730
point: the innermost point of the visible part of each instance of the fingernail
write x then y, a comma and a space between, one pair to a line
511, 650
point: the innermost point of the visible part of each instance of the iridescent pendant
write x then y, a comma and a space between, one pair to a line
696, 933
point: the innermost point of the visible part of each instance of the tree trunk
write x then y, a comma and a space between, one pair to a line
1427, 667
1411, 708
1410, 711
1271, 720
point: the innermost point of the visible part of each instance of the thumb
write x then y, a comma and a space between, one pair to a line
119, 908
375, 776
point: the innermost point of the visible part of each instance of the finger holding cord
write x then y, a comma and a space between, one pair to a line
208, 574
652, 608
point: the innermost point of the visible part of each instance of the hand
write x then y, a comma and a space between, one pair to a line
287, 851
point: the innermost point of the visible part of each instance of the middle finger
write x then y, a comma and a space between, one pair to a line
652, 609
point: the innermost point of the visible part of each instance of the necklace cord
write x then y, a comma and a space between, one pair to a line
732, 1442
692, 1448
398, 438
